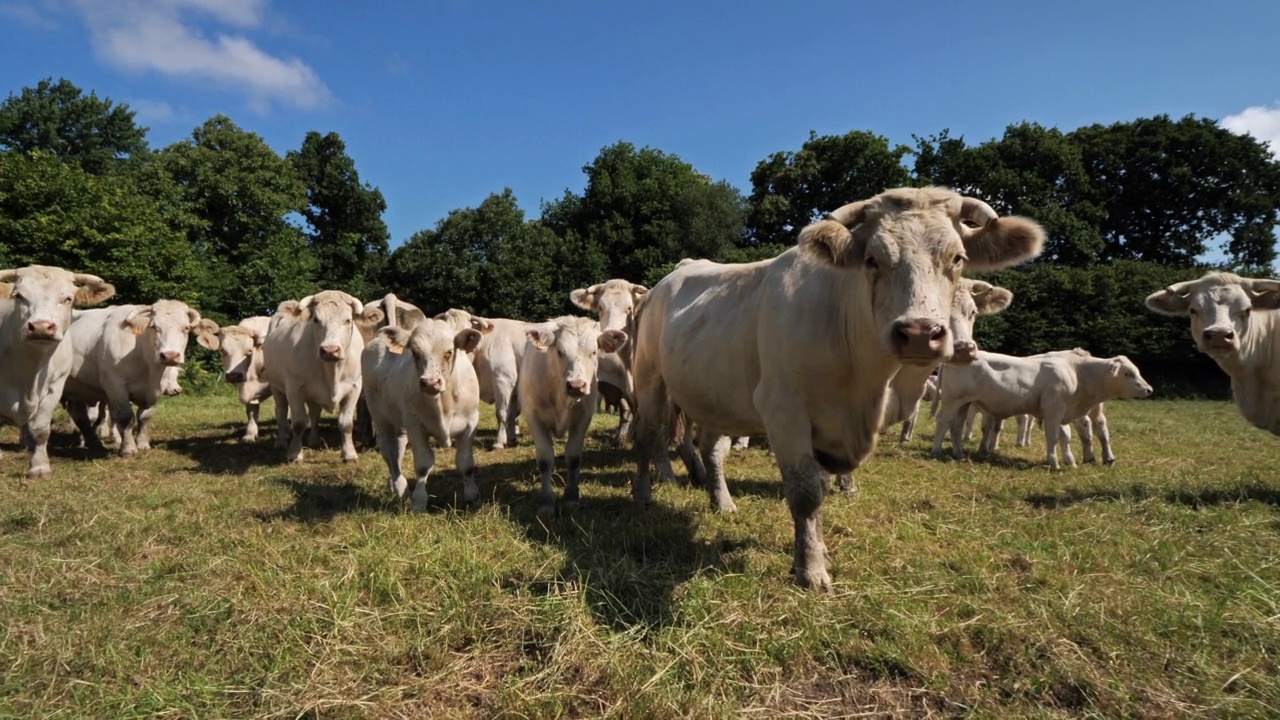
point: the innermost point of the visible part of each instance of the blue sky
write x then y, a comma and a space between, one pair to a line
441, 103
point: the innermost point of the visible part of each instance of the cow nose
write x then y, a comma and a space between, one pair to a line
42, 328
920, 338
170, 357
235, 376
964, 351
330, 352
576, 388
432, 386
1219, 337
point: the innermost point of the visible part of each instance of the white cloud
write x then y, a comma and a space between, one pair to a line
162, 36
153, 111
27, 14
1262, 122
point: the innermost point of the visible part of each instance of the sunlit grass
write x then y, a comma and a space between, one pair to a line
205, 579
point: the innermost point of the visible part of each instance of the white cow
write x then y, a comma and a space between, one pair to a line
1058, 389
497, 360
315, 364
35, 348
559, 394
394, 312
243, 360
614, 302
420, 386
802, 347
121, 356
1233, 323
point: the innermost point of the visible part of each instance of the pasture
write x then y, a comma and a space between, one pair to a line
206, 579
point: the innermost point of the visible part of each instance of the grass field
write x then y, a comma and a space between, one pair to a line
205, 579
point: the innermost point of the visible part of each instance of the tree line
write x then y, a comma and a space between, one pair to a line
224, 222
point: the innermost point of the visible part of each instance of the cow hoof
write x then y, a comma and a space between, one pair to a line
420, 504
248, 438
817, 580
1110, 462
547, 510
39, 473
127, 454
724, 505
499, 446
350, 458
295, 459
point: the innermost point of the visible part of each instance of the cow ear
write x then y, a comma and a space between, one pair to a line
1264, 294
541, 337
91, 293
258, 338
1169, 302
1116, 364
290, 308
6, 289
832, 243
207, 334
409, 317
638, 290
397, 338
994, 300
611, 340
585, 298
370, 316
139, 320
483, 326
193, 317
467, 340
1003, 242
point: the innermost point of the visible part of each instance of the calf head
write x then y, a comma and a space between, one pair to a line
1220, 306
167, 324
1124, 380
42, 298
973, 298
238, 345
331, 321
613, 301
907, 248
573, 346
434, 346
395, 312
461, 320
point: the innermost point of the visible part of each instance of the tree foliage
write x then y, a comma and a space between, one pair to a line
58, 118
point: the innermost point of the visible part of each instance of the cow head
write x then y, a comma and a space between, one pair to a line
973, 298
1220, 306
394, 312
573, 346
908, 247
1124, 380
434, 346
167, 324
613, 301
42, 297
331, 321
237, 344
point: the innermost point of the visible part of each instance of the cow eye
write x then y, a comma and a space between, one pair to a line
16, 296
1192, 312
871, 263
348, 321
448, 355
959, 260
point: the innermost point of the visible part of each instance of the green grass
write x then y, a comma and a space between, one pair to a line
205, 579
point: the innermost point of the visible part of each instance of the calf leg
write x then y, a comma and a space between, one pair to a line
1024, 430
1104, 436
715, 448
466, 462
909, 425
505, 403
424, 459
1085, 427
79, 413
945, 417
251, 410
1064, 440
970, 416
545, 448
392, 442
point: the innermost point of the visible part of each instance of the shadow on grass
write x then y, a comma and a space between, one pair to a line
316, 500
981, 458
1193, 498
225, 454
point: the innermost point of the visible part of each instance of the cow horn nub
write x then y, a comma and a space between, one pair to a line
976, 211
850, 215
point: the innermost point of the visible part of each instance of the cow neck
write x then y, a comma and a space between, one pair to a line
1255, 382
21, 360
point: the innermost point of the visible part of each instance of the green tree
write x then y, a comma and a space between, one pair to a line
58, 118
792, 189
239, 194
56, 213
644, 208
346, 232
1168, 189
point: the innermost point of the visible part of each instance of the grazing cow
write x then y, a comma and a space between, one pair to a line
558, 394
614, 302
802, 347
1057, 388
121, 356
419, 385
314, 350
35, 348
1231, 322
243, 361
497, 361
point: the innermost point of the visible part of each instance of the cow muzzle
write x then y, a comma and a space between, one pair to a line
170, 358
431, 386
576, 388
330, 353
920, 341
964, 352
1220, 339
43, 330
235, 377
172, 390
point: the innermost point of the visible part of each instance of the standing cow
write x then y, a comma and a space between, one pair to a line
497, 361
1233, 323
803, 346
559, 394
35, 347
394, 312
614, 302
121, 356
419, 385
315, 364
243, 362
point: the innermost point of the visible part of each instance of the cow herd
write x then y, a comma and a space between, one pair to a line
819, 350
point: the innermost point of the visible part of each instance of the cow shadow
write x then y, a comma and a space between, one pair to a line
317, 500
978, 457
226, 454
1137, 492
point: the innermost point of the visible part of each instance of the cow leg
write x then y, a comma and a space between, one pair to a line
804, 484
313, 425
364, 423
107, 430
653, 418
1024, 430
909, 425
424, 459
969, 419
465, 460
298, 419
715, 448
38, 429
1064, 441
1085, 427
693, 464
846, 484
122, 415
573, 461
392, 442
545, 449
251, 410
504, 397
282, 419
626, 412
79, 413
742, 442
144, 426
346, 424
1104, 438
943, 420
962, 419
